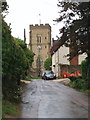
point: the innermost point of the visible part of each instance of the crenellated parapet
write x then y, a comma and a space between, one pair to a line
42, 26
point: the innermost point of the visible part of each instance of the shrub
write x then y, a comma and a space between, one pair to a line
79, 83
84, 69
72, 78
16, 60
48, 63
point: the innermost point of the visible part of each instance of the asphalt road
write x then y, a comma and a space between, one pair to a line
50, 99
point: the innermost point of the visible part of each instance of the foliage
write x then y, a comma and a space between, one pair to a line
10, 109
28, 77
72, 78
29, 54
21, 43
48, 63
16, 60
75, 33
15, 63
84, 67
76, 30
79, 83
4, 6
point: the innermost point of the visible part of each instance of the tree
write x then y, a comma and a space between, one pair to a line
48, 63
4, 5
76, 17
16, 60
14, 63
76, 31
29, 54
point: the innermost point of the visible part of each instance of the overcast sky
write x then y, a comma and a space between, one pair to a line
22, 13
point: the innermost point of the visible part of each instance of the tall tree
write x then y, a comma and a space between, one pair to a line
76, 31
76, 17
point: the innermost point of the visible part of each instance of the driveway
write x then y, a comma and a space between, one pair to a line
52, 99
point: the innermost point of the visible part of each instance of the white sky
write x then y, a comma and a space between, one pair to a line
22, 13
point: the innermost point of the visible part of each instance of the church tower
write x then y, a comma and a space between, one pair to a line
40, 44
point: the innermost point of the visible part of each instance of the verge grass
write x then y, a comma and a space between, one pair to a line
10, 109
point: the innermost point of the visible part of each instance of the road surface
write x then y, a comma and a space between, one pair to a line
50, 99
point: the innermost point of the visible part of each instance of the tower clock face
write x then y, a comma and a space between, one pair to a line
39, 47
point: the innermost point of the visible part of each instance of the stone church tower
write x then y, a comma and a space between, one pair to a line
40, 44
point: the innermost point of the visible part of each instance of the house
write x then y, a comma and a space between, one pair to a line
60, 61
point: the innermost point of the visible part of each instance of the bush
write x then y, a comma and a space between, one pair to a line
16, 60
28, 77
72, 78
48, 63
84, 69
79, 83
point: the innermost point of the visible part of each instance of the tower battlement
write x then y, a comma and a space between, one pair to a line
37, 26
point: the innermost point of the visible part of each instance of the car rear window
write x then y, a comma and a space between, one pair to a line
49, 72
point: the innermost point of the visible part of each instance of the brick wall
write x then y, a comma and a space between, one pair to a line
69, 68
74, 61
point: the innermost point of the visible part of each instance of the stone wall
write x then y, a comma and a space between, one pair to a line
40, 35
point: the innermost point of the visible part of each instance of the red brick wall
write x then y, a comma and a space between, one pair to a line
74, 61
69, 68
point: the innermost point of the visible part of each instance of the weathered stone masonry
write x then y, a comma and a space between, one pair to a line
40, 35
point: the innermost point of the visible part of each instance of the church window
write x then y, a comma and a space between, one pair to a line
39, 39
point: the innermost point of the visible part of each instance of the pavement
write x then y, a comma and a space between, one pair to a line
25, 81
65, 81
52, 99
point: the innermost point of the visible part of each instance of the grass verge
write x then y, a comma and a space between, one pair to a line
36, 78
10, 109
75, 86
28, 78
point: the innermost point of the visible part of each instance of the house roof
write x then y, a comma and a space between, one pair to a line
55, 47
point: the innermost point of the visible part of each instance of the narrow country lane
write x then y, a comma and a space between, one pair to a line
50, 99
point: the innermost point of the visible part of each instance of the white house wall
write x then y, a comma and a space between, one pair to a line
59, 58
53, 63
63, 51
55, 66
81, 58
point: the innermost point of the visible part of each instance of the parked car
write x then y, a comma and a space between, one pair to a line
43, 75
48, 75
